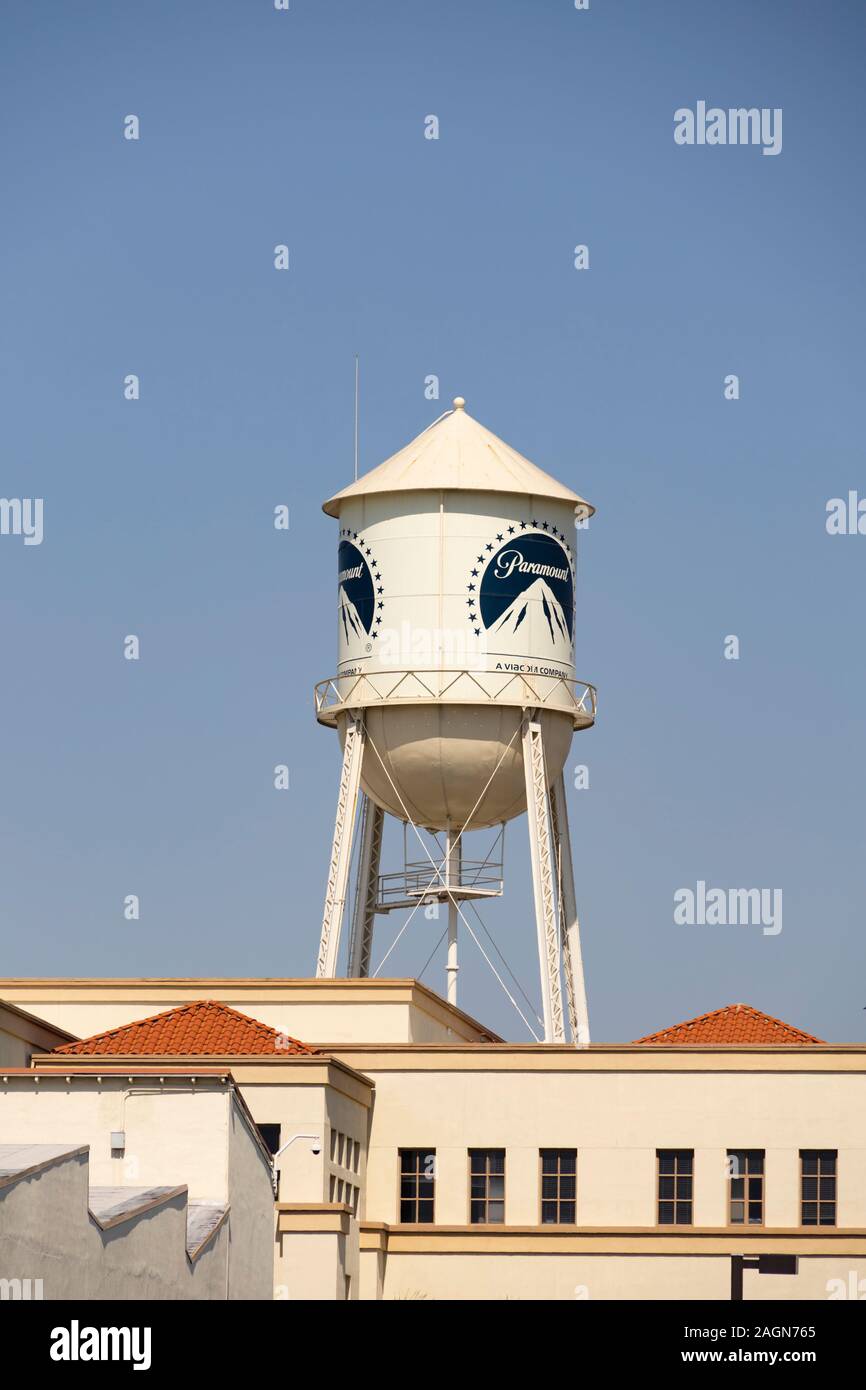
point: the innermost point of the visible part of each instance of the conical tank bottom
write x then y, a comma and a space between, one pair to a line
432, 764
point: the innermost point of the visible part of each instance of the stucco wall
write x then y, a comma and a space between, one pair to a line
14, 1051
251, 1219
176, 1134
311, 1265
316, 1011
21, 1036
560, 1277
305, 1260
601, 1277
48, 1234
616, 1122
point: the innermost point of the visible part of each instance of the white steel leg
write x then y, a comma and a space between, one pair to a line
341, 850
453, 853
578, 1013
366, 886
543, 879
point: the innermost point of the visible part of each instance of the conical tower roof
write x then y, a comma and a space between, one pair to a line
457, 454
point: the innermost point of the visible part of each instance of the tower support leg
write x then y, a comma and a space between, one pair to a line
578, 1014
364, 913
543, 875
453, 855
341, 849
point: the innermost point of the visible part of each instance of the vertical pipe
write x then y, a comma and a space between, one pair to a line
570, 926
341, 848
357, 394
366, 886
543, 877
453, 853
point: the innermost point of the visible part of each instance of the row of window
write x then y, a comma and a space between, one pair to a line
487, 1186
341, 1191
674, 1186
345, 1151
746, 1187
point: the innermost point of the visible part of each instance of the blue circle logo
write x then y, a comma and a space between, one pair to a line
530, 568
356, 597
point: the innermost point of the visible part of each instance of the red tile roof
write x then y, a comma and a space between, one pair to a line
204, 1028
736, 1023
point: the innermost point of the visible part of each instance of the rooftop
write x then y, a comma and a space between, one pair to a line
734, 1024
111, 1206
456, 453
203, 1028
22, 1160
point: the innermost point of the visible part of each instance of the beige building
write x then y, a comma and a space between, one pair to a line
22, 1034
419, 1156
132, 1184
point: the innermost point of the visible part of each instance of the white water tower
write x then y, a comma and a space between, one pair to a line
455, 697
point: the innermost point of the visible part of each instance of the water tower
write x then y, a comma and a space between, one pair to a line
455, 697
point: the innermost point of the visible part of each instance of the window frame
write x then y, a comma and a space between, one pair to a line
820, 1201
558, 1175
487, 1175
675, 1200
418, 1175
746, 1177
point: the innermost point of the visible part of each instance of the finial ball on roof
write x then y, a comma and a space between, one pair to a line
458, 403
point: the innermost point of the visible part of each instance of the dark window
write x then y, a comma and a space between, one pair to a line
271, 1136
675, 1176
558, 1187
486, 1186
417, 1185
818, 1187
746, 1194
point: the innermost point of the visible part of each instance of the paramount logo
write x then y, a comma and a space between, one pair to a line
737, 126
77, 1343
511, 560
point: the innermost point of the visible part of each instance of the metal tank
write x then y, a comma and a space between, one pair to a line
455, 695
455, 611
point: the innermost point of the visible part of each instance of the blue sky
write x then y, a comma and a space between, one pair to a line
451, 257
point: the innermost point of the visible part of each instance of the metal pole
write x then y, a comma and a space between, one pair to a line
453, 856
341, 848
357, 393
364, 913
570, 926
540, 846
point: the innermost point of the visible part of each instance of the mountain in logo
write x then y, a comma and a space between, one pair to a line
349, 616
533, 568
539, 591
